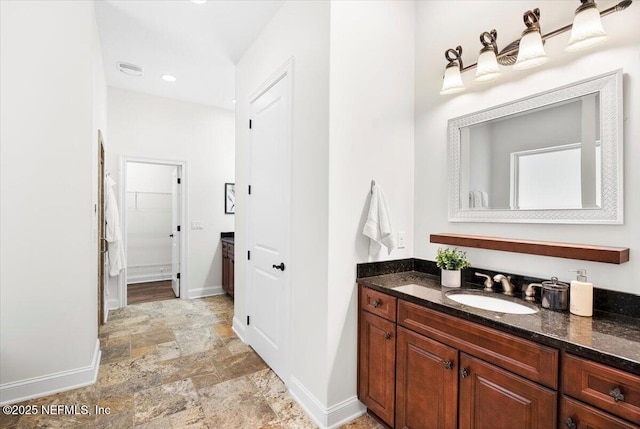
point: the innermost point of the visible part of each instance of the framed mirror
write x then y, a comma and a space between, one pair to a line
555, 157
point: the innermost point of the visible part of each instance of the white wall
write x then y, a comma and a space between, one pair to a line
353, 122
153, 127
149, 211
299, 30
51, 106
433, 36
371, 137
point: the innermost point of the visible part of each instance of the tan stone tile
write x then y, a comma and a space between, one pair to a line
151, 338
113, 353
197, 340
115, 421
164, 400
142, 351
235, 404
116, 402
192, 417
239, 365
169, 350
187, 366
8, 420
236, 346
206, 380
225, 331
363, 422
114, 341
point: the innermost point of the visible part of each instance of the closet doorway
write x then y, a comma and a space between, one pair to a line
153, 206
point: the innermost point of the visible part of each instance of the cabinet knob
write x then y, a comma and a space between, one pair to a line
464, 373
617, 395
570, 423
448, 364
387, 336
376, 303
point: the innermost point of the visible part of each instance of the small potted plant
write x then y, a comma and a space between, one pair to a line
451, 261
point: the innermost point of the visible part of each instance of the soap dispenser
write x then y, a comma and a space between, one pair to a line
581, 295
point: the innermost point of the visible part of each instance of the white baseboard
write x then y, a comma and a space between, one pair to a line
36, 387
112, 304
148, 278
239, 329
205, 291
326, 418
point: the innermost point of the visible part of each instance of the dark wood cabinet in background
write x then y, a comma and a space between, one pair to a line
227, 267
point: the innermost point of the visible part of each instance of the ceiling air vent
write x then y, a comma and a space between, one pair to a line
130, 69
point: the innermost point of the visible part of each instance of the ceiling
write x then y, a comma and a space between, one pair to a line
197, 43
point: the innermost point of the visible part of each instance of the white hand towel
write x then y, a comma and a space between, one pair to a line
113, 235
378, 226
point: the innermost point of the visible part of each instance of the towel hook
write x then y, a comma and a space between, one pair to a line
373, 183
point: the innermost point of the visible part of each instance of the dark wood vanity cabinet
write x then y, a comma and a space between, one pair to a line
377, 353
445, 371
228, 266
598, 396
420, 368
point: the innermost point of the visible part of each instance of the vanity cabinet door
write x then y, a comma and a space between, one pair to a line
426, 383
492, 398
377, 365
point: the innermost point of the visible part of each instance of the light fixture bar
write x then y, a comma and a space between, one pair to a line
512, 48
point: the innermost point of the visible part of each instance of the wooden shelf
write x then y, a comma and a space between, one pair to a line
611, 255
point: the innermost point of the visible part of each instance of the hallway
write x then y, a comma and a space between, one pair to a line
176, 364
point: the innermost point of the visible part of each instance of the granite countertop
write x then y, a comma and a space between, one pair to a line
605, 338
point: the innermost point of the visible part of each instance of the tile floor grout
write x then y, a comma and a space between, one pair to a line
178, 364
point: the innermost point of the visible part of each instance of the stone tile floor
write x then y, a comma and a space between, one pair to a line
177, 364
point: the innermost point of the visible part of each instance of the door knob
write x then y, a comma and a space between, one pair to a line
279, 267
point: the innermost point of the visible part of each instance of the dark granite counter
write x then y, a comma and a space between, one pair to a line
610, 339
228, 237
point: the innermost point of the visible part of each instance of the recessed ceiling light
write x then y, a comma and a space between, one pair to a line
169, 77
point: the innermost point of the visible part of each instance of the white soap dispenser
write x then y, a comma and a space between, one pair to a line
581, 295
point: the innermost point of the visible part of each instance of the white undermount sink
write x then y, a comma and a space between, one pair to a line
490, 303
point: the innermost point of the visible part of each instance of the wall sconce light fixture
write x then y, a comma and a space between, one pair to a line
528, 51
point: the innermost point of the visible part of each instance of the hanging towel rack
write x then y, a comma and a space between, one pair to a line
373, 183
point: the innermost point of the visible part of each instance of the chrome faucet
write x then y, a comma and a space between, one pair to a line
488, 283
507, 286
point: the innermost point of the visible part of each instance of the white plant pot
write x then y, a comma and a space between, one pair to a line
450, 278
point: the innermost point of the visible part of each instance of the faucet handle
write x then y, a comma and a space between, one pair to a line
488, 282
530, 292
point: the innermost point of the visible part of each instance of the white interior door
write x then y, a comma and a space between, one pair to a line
175, 232
269, 225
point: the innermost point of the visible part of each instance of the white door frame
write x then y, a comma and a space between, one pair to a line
122, 196
284, 72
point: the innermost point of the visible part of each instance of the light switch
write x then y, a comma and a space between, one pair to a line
401, 235
196, 224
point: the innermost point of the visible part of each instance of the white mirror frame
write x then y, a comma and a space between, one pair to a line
609, 86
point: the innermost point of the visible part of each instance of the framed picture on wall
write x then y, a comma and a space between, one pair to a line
229, 198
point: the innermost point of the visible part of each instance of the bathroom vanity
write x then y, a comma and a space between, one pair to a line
426, 361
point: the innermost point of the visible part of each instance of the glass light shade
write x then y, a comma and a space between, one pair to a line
452, 81
488, 69
587, 30
531, 52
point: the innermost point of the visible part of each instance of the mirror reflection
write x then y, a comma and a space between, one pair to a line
540, 159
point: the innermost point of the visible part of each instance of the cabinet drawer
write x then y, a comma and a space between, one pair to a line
378, 303
526, 358
584, 417
596, 385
